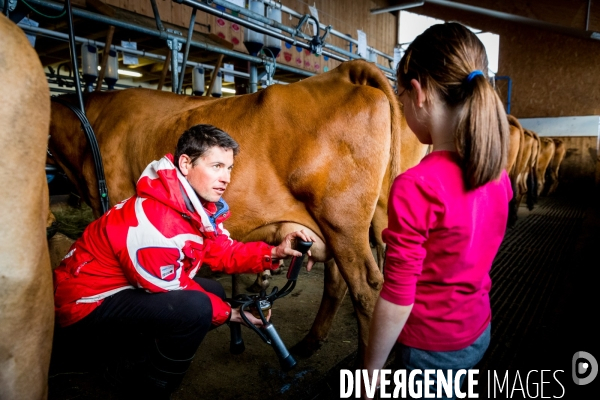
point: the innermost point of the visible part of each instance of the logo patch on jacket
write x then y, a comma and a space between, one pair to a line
160, 262
166, 271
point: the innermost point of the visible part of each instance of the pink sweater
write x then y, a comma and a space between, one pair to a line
441, 241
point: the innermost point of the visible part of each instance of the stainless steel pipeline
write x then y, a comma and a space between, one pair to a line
141, 53
164, 35
274, 24
332, 31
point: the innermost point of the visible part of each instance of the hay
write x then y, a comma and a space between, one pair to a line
72, 221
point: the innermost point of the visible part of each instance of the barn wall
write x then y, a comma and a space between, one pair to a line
380, 29
552, 74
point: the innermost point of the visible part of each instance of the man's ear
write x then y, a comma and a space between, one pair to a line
185, 163
421, 96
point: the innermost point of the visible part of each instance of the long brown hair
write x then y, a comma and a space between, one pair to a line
443, 59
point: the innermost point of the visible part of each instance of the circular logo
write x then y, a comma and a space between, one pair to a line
220, 21
235, 27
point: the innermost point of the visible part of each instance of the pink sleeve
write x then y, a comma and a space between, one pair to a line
413, 209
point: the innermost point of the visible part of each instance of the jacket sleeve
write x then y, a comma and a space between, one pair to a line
413, 209
221, 253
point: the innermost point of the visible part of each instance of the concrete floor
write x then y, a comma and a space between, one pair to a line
544, 300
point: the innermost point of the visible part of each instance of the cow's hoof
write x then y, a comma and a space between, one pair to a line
256, 287
277, 271
305, 348
51, 230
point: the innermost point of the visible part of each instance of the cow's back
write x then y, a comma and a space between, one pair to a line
294, 138
26, 303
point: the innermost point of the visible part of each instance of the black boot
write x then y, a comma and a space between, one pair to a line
163, 375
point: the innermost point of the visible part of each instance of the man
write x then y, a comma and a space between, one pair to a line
133, 270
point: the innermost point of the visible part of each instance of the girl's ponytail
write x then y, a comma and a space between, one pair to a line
482, 133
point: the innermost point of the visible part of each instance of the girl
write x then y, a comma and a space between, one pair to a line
447, 216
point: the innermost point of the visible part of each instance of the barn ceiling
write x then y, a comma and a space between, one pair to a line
574, 14
55, 53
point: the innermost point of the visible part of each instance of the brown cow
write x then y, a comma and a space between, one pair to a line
559, 155
514, 163
545, 155
319, 154
26, 304
522, 169
516, 142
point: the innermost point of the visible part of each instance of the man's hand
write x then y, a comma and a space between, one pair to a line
285, 249
236, 317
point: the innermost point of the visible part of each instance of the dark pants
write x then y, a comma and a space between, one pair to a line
131, 320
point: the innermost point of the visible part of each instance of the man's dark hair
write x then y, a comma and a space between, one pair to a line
197, 140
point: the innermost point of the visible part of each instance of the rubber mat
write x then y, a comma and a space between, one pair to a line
532, 260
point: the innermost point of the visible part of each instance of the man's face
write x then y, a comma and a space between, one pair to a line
210, 174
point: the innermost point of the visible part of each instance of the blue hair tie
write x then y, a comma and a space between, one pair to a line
473, 75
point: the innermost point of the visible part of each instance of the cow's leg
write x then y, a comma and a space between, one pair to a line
362, 275
379, 223
334, 290
554, 182
359, 270
235, 285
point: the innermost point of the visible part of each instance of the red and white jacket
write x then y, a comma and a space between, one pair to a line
156, 241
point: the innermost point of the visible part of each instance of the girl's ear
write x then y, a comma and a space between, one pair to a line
420, 93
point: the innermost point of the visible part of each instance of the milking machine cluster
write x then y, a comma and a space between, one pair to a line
259, 305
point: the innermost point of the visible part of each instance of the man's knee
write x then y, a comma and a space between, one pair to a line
199, 305
211, 286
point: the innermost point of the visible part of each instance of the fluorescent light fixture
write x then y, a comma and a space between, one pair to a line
227, 90
127, 73
398, 7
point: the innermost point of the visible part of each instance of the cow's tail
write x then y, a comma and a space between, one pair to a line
368, 74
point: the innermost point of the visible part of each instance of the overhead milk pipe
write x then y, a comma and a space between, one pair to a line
258, 28
332, 31
265, 30
164, 35
141, 53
